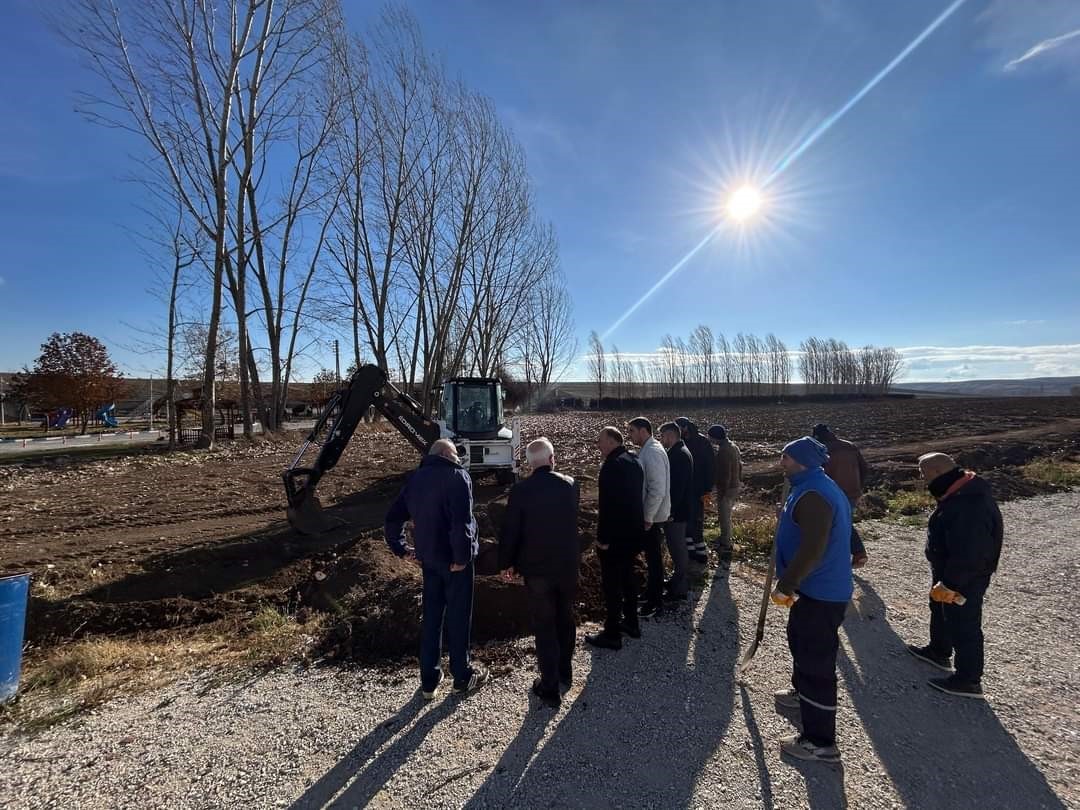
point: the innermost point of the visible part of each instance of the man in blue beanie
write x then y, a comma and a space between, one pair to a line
813, 569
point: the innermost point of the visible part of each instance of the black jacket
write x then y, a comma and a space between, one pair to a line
620, 521
681, 463
704, 458
540, 529
963, 538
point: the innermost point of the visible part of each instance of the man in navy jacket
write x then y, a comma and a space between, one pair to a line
438, 499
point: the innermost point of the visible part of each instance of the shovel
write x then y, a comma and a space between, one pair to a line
744, 662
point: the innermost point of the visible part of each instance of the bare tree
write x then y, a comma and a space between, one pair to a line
723, 357
549, 333
173, 73
597, 364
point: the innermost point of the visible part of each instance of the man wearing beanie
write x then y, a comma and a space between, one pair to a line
847, 467
727, 480
701, 449
813, 566
963, 545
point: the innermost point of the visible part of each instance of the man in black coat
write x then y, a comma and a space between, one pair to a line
704, 458
681, 464
540, 542
620, 531
963, 544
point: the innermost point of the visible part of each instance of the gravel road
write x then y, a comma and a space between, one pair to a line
659, 724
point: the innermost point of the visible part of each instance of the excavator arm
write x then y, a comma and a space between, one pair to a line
369, 387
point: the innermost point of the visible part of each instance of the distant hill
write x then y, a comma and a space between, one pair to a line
1033, 387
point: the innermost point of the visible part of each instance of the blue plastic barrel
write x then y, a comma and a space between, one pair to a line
13, 593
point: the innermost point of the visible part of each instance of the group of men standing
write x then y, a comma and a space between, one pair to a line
656, 496
653, 498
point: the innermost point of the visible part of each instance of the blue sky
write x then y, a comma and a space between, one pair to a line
939, 215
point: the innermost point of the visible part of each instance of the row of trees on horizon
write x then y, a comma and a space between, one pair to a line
706, 365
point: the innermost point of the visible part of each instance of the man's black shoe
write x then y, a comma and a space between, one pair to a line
551, 699
649, 610
632, 630
930, 657
604, 641
954, 686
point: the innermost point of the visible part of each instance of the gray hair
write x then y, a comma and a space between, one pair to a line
540, 453
444, 448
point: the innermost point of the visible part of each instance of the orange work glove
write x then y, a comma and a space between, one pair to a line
782, 599
939, 593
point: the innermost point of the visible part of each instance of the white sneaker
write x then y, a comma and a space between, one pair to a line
429, 694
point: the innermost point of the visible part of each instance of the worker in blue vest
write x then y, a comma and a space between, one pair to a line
813, 569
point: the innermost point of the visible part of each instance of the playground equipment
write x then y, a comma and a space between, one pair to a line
58, 418
107, 415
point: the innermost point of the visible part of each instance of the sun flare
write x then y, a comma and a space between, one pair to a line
744, 203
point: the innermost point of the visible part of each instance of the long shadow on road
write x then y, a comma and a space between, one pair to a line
940, 751
356, 779
646, 721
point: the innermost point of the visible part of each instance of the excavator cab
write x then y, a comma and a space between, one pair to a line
471, 414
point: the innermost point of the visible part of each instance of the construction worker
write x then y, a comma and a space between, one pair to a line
728, 479
701, 449
849, 470
620, 529
963, 545
657, 505
813, 568
681, 467
539, 541
438, 499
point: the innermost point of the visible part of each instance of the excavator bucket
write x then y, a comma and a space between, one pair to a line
307, 517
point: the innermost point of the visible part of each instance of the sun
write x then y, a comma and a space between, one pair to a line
744, 203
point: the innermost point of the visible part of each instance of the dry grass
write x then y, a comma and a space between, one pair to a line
1056, 473
81, 675
909, 503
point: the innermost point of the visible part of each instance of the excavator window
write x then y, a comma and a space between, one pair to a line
476, 410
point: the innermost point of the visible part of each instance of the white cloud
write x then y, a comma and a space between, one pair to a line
1042, 34
933, 363
1042, 47
1026, 322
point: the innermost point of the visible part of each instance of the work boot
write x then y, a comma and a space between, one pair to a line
953, 685
929, 656
477, 679
605, 641
801, 748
